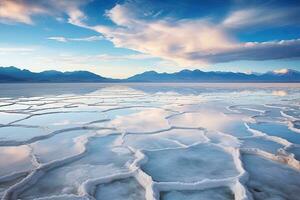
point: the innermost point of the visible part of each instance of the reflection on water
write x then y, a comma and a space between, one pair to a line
46, 89
281, 93
149, 141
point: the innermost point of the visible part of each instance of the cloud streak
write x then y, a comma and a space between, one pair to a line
254, 51
261, 16
84, 39
16, 50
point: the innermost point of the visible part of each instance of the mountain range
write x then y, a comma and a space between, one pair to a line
13, 74
16, 75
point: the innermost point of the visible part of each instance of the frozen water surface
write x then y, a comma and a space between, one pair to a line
278, 130
147, 120
213, 120
19, 133
101, 159
128, 189
261, 143
59, 146
270, 180
150, 141
14, 160
195, 163
296, 151
7, 118
221, 193
56, 121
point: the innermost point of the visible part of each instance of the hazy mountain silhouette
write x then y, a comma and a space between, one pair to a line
200, 76
13, 75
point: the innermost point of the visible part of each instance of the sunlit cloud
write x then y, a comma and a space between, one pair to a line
18, 11
23, 11
168, 40
192, 42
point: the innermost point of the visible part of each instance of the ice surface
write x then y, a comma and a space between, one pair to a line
271, 180
295, 126
278, 130
14, 107
148, 120
293, 113
212, 120
203, 161
100, 160
59, 146
6, 184
20, 134
15, 159
7, 118
221, 193
149, 141
56, 121
296, 151
250, 110
165, 139
262, 144
128, 189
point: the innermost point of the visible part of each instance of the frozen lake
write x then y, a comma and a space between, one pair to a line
150, 141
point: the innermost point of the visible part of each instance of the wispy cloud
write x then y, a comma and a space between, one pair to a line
67, 59
58, 39
18, 11
108, 57
85, 39
254, 51
261, 16
23, 11
4, 50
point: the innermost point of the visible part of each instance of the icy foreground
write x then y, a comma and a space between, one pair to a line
150, 142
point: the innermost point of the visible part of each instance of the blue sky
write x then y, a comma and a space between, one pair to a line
121, 38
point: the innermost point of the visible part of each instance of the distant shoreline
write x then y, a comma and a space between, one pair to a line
236, 84
8, 90
16, 75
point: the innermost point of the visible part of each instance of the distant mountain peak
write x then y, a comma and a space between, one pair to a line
150, 72
196, 75
13, 74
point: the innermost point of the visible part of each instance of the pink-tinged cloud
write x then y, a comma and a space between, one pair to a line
192, 42
19, 11
23, 11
